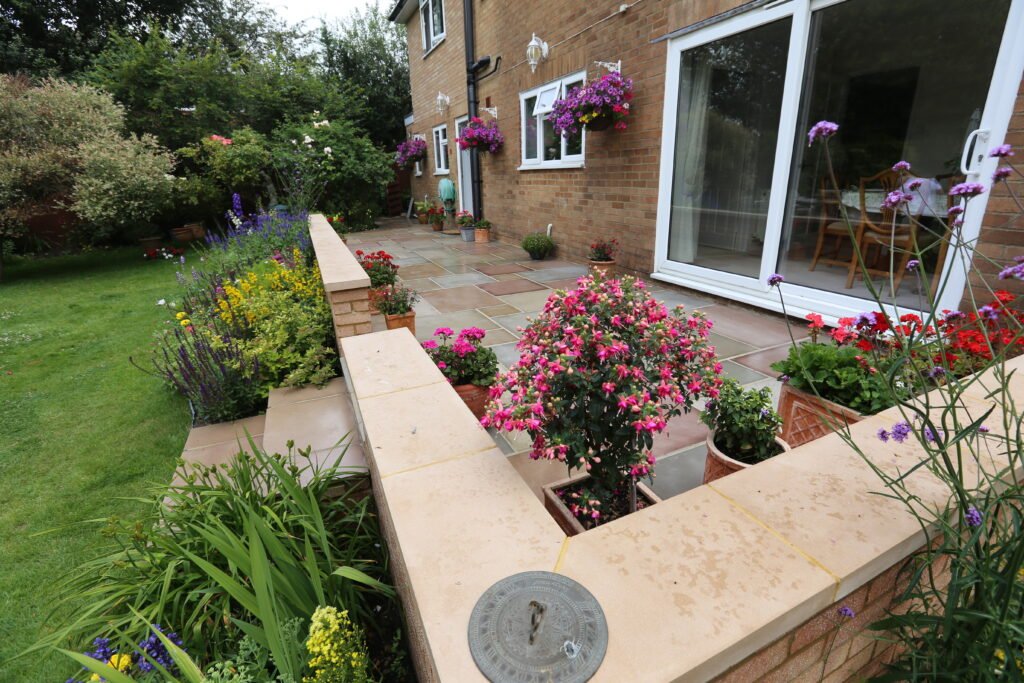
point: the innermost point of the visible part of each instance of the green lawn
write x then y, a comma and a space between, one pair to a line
79, 426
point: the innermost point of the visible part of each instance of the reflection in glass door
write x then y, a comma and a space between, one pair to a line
730, 98
904, 81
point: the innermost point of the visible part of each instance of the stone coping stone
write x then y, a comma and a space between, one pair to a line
690, 586
339, 268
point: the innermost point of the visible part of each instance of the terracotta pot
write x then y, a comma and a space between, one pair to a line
474, 397
148, 243
482, 234
605, 268
395, 321
182, 234
717, 464
564, 518
805, 417
438, 227
198, 231
422, 218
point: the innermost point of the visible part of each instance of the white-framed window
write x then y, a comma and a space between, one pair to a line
541, 148
432, 23
441, 150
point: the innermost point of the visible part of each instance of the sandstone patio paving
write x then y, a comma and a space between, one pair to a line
494, 287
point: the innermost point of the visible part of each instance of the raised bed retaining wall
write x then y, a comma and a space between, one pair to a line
739, 579
346, 283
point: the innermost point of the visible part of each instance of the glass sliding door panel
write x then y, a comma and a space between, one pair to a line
905, 81
730, 100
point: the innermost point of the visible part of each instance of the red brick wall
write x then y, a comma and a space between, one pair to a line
615, 195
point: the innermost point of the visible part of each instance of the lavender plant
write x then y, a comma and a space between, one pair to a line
961, 614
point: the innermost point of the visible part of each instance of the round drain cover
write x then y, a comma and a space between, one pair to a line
538, 627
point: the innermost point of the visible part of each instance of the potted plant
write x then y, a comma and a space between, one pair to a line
423, 211
744, 430
538, 245
382, 271
602, 257
603, 369
437, 216
466, 223
480, 136
468, 365
396, 303
482, 230
410, 151
598, 106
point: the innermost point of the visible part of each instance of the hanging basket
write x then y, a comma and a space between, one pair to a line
600, 123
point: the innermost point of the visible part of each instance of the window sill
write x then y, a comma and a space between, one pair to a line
433, 47
442, 172
552, 165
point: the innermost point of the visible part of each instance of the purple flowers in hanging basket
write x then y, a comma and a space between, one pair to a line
477, 134
410, 151
606, 99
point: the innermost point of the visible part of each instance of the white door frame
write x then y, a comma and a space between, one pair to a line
800, 300
463, 196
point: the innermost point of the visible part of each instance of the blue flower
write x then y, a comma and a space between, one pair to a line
847, 612
900, 431
154, 648
883, 434
973, 517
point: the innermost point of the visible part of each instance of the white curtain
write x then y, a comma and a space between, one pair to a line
691, 145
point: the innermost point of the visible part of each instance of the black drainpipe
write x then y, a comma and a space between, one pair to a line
472, 66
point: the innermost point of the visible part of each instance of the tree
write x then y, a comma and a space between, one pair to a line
368, 51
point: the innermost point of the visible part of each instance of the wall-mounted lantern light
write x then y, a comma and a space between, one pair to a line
442, 103
536, 51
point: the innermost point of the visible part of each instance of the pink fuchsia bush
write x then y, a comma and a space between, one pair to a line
476, 134
608, 97
603, 369
410, 151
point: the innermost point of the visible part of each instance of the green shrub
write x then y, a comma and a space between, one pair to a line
234, 551
538, 245
838, 374
744, 422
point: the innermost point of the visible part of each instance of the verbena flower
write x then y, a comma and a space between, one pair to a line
1015, 271
1001, 151
882, 434
846, 612
966, 190
775, 280
900, 431
822, 130
895, 198
1002, 173
912, 265
901, 166
973, 517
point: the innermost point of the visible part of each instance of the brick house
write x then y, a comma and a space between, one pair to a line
713, 186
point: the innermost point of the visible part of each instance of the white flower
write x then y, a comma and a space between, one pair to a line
321, 124
327, 151
295, 142
161, 302
307, 140
316, 112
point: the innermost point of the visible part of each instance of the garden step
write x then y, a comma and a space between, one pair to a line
319, 418
217, 444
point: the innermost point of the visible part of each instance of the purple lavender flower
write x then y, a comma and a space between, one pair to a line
1002, 173
901, 166
846, 612
883, 435
973, 517
989, 312
912, 265
895, 198
1001, 151
822, 130
900, 431
775, 280
966, 190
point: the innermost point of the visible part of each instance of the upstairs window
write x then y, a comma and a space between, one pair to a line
540, 146
441, 150
432, 22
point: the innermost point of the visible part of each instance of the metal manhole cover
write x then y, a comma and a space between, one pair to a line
538, 627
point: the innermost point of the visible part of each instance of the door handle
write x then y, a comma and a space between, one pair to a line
970, 155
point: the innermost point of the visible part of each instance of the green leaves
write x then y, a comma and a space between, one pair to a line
836, 374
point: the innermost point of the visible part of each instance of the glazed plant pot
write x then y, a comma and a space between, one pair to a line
537, 255
567, 521
467, 234
805, 417
475, 398
717, 464
604, 268
395, 321
482, 234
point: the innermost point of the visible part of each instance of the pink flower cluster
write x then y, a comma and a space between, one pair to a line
476, 134
221, 139
602, 369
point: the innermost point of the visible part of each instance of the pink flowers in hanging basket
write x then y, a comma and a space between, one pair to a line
410, 151
221, 139
477, 134
597, 105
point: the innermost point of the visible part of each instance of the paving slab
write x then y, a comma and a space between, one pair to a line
528, 302
462, 298
512, 287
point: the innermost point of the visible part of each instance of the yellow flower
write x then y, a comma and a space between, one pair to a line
121, 662
180, 315
185, 322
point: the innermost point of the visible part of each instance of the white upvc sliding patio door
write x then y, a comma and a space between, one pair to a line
742, 196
